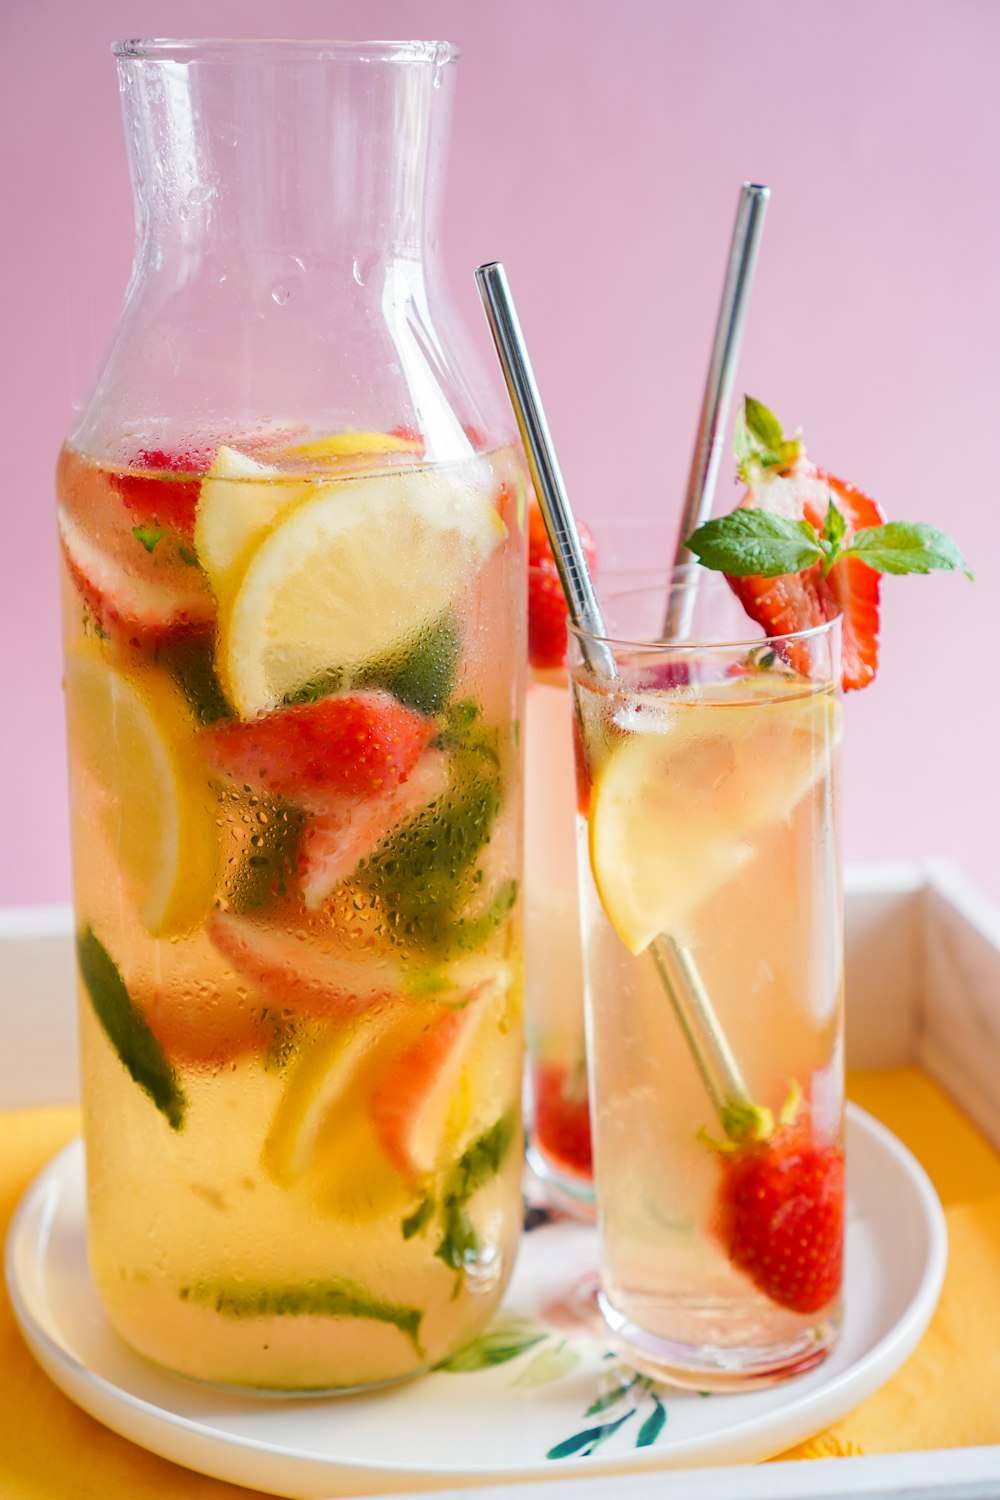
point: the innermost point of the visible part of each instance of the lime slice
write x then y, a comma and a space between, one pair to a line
239, 502
356, 571
675, 803
136, 741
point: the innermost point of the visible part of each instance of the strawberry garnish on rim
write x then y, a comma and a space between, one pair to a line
804, 547
796, 490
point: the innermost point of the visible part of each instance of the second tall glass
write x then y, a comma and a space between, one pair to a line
712, 932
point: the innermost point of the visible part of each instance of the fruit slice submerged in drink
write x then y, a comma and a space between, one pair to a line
135, 739
351, 574
682, 784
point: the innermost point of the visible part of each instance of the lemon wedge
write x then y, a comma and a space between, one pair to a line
357, 570
136, 740
239, 502
675, 802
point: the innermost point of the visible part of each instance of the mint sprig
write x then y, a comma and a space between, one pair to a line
759, 442
759, 544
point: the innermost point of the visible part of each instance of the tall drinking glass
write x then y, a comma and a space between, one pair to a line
292, 532
712, 931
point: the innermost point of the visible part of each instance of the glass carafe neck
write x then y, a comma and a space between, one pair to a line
328, 151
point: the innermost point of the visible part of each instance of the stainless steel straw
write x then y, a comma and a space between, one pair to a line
714, 1058
560, 523
718, 394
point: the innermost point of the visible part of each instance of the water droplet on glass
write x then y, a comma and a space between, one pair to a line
280, 294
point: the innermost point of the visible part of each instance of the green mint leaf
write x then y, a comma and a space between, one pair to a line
149, 535
459, 1244
187, 557
755, 543
420, 1217
759, 442
836, 525
481, 1161
191, 662
324, 1299
126, 1029
426, 874
907, 547
763, 425
421, 675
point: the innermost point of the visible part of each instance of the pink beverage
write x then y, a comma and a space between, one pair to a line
560, 1149
710, 885
293, 577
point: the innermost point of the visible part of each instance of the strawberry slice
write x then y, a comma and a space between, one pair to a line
546, 601
562, 1118
781, 1217
133, 596
355, 746
414, 1096
794, 602
310, 978
164, 491
341, 832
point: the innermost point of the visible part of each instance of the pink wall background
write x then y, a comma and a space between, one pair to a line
598, 150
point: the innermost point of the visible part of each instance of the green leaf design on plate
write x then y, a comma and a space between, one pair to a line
585, 1442
548, 1365
624, 1382
499, 1344
125, 1028
653, 1425
322, 1299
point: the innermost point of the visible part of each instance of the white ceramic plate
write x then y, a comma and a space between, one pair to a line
502, 1421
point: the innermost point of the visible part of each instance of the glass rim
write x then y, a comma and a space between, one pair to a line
738, 643
281, 49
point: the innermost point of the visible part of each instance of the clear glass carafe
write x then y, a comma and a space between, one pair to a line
291, 524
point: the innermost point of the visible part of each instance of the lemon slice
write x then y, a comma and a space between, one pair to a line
354, 572
675, 803
239, 502
137, 741
317, 1085
353, 444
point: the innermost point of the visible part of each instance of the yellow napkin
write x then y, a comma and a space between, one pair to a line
944, 1396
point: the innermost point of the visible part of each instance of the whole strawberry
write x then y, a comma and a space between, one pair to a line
781, 1217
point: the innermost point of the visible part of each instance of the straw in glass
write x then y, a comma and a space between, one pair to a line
718, 393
